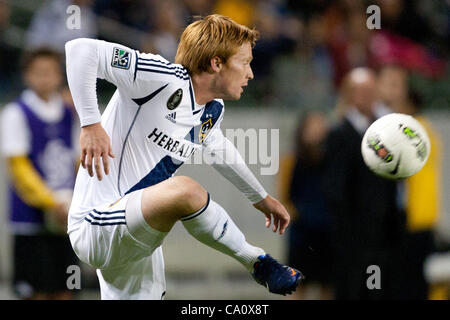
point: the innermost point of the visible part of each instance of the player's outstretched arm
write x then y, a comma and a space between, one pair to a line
271, 207
229, 163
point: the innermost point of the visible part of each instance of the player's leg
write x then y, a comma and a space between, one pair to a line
141, 280
181, 198
167, 202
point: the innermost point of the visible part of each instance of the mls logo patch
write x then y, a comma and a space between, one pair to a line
121, 58
175, 99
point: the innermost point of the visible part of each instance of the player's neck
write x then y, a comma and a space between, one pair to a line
202, 88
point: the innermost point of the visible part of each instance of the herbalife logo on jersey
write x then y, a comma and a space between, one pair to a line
180, 149
254, 146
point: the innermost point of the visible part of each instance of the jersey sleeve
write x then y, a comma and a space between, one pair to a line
130, 71
82, 63
226, 159
116, 64
153, 67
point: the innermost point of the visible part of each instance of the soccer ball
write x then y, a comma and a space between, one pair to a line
396, 146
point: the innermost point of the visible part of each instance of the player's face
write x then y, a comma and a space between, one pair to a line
43, 76
235, 74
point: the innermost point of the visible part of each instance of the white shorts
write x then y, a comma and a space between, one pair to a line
114, 235
117, 240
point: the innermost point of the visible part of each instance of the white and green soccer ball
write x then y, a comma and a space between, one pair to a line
396, 146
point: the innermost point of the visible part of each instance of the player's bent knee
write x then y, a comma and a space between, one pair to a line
170, 200
191, 195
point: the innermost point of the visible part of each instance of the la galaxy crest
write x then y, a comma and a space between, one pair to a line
175, 99
206, 126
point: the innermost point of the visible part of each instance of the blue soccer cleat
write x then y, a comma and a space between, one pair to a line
276, 277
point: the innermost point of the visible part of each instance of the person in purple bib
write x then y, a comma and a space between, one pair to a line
37, 131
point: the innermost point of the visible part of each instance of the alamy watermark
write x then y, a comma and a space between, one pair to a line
74, 279
374, 280
374, 20
253, 146
74, 19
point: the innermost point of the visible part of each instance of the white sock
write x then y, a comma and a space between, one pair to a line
212, 226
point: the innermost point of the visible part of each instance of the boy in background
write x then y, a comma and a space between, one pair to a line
37, 143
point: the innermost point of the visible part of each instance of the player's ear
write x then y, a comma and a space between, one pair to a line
216, 64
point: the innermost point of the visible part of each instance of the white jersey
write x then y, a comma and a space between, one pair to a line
153, 122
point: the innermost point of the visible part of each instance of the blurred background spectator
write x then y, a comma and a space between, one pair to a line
324, 39
7, 52
303, 77
367, 227
167, 20
48, 26
300, 189
306, 49
419, 195
38, 143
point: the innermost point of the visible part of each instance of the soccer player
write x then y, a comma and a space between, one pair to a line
159, 115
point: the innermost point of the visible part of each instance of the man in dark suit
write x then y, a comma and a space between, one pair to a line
367, 225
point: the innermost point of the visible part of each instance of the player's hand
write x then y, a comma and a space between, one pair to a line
273, 208
95, 145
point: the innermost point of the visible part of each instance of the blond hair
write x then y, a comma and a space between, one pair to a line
212, 36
